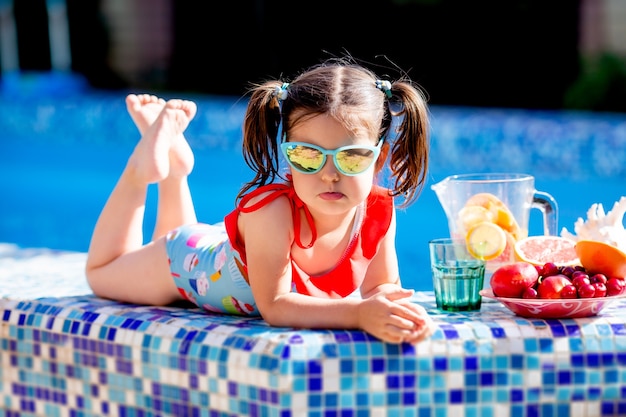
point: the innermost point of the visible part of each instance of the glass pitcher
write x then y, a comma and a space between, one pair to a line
516, 191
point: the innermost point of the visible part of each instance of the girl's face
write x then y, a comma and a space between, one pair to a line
328, 191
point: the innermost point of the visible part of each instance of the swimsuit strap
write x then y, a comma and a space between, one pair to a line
277, 190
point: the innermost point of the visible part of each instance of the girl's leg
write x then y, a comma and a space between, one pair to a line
119, 266
175, 205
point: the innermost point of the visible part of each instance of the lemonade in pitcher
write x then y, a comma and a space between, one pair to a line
491, 212
489, 228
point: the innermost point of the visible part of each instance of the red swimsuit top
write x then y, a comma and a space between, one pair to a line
348, 274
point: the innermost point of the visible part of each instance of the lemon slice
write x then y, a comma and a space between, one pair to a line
485, 241
501, 215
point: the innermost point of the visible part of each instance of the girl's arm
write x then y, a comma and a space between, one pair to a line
268, 236
382, 281
383, 273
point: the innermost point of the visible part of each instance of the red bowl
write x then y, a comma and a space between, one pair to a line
554, 308
599, 257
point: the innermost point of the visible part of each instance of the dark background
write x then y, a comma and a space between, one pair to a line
492, 53
461, 52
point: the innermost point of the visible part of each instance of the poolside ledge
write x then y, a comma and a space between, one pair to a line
72, 354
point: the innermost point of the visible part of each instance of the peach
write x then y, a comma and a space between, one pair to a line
511, 280
551, 287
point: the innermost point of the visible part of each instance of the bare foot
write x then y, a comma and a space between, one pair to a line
160, 153
144, 109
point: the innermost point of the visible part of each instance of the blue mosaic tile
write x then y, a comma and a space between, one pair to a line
185, 362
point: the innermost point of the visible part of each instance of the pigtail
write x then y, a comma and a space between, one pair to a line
409, 154
260, 135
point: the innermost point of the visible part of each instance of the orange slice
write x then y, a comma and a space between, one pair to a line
469, 216
505, 219
539, 250
484, 199
486, 241
602, 258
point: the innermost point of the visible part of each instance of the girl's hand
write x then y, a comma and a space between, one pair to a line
427, 324
391, 317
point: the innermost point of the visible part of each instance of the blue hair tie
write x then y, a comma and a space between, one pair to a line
384, 86
281, 92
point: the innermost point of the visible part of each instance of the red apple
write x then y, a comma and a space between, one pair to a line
551, 287
512, 279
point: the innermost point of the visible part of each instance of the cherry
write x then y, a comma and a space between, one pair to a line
587, 290
600, 289
581, 279
529, 293
569, 291
549, 269
568, 271
615, 286
598, 278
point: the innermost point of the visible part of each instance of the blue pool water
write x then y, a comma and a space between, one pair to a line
60, 158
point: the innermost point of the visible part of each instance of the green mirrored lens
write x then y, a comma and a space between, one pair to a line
354, 161
304, 158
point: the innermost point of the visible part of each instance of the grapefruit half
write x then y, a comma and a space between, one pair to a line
538, 250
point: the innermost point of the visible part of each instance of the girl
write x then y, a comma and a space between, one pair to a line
298, 246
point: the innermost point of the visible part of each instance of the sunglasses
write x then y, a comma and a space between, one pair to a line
349, 160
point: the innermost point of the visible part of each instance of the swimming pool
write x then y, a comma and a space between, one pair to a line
61, 155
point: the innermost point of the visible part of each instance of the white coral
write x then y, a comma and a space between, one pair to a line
607, 228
